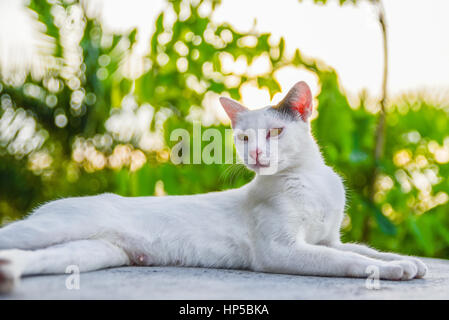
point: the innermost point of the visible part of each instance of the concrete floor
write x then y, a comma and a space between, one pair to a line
200, 283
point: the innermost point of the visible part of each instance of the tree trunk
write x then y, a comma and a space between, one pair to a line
380, 129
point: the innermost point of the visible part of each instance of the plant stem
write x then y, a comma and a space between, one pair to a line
380, 129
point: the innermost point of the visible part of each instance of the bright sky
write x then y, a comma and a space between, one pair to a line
347, 38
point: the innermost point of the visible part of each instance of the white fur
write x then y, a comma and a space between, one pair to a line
287, 222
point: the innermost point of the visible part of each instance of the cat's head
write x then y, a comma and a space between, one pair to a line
273, 138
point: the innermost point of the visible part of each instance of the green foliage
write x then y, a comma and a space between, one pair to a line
74, 150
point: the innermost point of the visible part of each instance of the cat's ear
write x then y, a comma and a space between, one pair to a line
299, 100
232, 108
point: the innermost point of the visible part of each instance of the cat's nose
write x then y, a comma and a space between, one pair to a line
255, 154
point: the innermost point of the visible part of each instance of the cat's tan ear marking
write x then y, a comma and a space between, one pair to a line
298, 99
232, 108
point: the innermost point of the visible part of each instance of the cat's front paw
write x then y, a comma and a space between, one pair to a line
410, 270
422, 268
9, 271
8, 277
398, 270
391, 271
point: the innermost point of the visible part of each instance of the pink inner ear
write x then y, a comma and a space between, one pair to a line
300, 99
232, 108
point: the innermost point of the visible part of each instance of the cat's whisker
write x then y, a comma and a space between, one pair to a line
231, 172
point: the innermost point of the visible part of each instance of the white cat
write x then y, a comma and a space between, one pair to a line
285, 222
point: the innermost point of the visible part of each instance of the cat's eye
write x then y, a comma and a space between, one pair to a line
242, 137
274, 132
